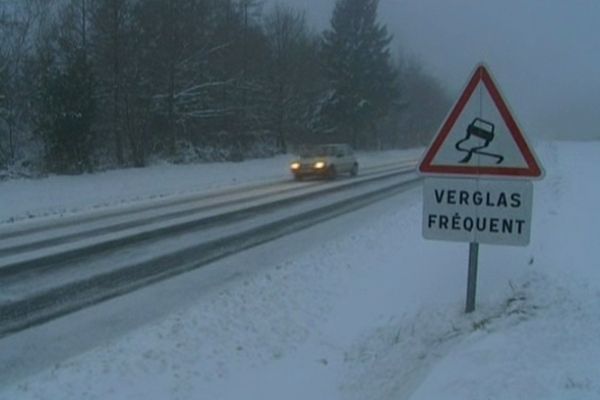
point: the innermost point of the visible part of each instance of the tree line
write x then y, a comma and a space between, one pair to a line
94, 84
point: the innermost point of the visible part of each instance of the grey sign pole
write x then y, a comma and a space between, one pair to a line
472, 276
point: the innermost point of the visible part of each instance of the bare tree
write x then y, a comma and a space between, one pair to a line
113, 51
292, 70
17, 29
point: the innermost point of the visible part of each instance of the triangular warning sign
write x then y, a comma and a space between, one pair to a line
480, 137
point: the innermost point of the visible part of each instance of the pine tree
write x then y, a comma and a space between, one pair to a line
66, 104
357, 66
69, 108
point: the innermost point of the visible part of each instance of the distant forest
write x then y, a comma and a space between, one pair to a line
87, 85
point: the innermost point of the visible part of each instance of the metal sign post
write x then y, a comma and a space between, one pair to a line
472, 276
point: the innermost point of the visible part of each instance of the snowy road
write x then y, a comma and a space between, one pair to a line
19, 239
48, 270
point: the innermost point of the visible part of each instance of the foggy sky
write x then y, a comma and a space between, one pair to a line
544, 54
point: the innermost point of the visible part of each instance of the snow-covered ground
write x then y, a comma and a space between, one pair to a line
357, 308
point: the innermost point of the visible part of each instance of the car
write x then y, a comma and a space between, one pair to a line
326, 161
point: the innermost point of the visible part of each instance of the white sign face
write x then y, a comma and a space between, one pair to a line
480, 115
475, 210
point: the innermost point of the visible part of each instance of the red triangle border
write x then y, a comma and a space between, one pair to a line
533, 169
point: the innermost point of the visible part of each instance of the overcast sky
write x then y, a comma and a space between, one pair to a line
544, 54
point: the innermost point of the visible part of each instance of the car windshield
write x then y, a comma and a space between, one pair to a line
319, 151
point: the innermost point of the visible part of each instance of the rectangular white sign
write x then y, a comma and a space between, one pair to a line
475, 210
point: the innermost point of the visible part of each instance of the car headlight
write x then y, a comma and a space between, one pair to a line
320, 164
295, 165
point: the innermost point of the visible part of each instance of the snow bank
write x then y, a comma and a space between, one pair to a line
544, 345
